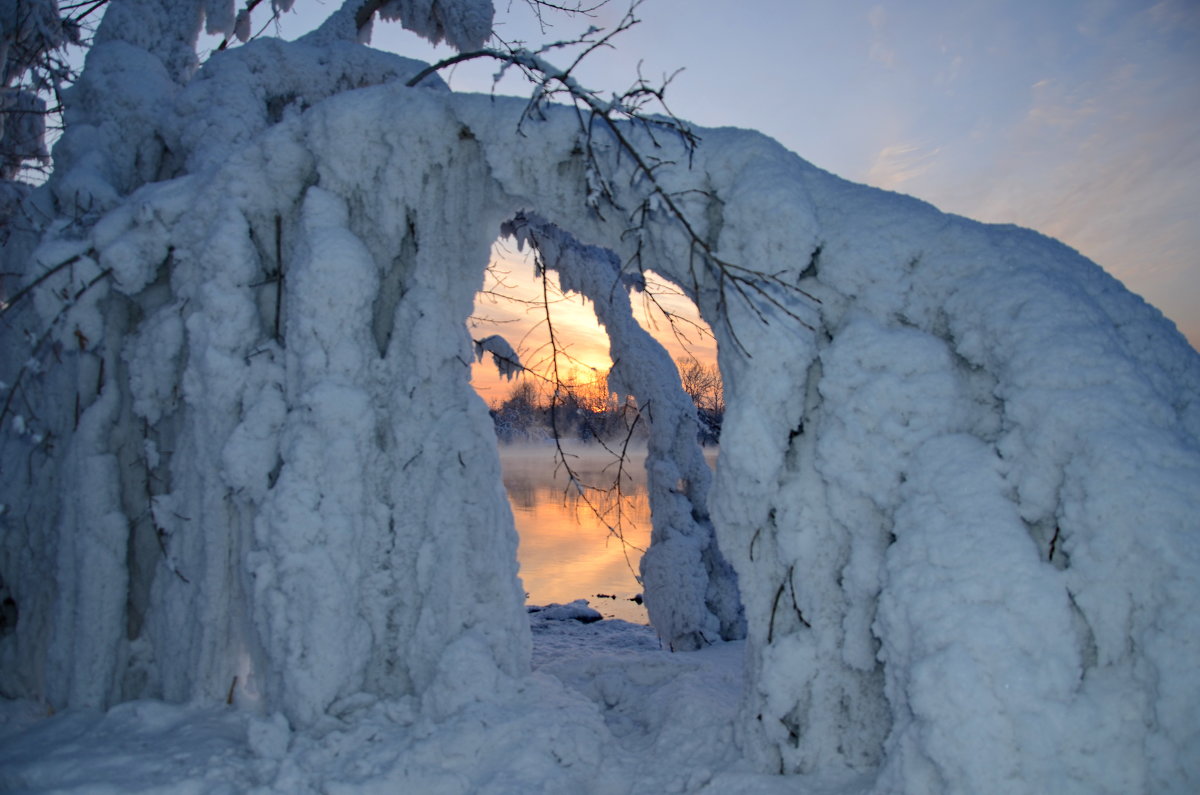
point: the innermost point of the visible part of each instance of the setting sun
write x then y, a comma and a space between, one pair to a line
515, 304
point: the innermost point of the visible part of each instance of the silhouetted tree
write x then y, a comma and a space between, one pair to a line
703, 384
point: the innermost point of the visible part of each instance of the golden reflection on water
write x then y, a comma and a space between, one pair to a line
567, 550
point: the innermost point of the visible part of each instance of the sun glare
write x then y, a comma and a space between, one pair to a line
515, 304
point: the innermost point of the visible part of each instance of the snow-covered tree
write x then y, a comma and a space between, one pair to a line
702, 383
32, 37
517, 417
241, 458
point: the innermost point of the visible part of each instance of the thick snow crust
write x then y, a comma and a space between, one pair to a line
959, 480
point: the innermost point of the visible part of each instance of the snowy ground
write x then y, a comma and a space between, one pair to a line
605, 711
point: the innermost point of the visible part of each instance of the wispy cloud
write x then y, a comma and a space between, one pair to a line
899, 163
1108, 166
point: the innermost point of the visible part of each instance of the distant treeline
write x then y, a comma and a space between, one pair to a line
585, 409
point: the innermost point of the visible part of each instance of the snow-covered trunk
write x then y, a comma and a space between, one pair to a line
285, 489
815, 696
420, 199
255, 399
80, 497
328, 419
953, 576
690, 590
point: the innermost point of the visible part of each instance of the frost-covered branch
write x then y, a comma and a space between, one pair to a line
504, 357
69, 299
33, 36
558, 389
28, 289
578, 8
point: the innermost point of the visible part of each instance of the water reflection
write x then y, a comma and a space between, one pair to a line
568, 547
567, 550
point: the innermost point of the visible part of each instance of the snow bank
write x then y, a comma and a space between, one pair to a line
605, 711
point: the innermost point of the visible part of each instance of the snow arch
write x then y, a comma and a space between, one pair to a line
958, 574
690, 589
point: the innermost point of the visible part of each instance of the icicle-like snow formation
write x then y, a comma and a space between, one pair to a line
463, 24
690, 590
240, 454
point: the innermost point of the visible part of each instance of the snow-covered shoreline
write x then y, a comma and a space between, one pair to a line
605, 710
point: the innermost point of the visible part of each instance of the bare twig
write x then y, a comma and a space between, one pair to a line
759, 290
68, 303
33, 285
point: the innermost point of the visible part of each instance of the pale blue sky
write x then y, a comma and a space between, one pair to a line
1079, 118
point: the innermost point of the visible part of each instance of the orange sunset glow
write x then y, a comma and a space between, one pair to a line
568, 548
513, 304
572, 545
